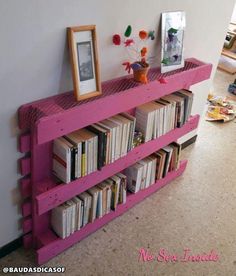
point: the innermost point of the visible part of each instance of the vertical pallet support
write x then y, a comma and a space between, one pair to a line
41, 168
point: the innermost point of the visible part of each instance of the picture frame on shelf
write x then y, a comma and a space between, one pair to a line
84, 61
172, 40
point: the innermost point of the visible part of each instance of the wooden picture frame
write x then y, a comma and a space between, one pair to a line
84, 61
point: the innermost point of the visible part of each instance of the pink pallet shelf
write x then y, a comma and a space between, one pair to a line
46, 119
52, 245
60, 193
59, 115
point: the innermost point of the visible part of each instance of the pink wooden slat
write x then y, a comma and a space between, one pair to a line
27, 225
56, 125
25, 187
24, 143
26, 208
25, 165
63, 192
28, 241
57, 245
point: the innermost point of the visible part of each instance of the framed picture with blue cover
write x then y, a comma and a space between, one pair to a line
84, 61
172, 33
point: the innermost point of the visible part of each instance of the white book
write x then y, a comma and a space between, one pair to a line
132, 128
144, 174
94, 193
134, 177
71, 217
58, 220
68, 218
149, 171
78, 202
86, 198
62, 159
125, 133
99, 213
119, 135
109, 200
153, 170
128, 124
123, 188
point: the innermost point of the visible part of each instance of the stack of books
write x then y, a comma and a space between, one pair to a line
156, 118
87, 206
86, 150
147, 171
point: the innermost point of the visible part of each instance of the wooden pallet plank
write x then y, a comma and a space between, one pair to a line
28, 241
51, 127
25, 166
26, 208
25, 187
27, 225
24, 143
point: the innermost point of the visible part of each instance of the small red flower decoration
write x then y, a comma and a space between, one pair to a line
143, 34
128, 42
143, 51
116, 39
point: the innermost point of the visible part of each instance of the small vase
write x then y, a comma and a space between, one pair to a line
140, 74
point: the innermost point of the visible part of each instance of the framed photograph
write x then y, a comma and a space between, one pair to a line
84, 61
172, 33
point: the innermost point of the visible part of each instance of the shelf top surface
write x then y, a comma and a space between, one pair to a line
32, 112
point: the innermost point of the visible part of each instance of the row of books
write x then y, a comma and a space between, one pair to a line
156, 118
104, 197
87, 206
89, 149
147, 171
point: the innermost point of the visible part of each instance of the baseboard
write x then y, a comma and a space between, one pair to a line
11, 246
189, 142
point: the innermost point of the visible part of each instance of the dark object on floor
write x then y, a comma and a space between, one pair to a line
232, 88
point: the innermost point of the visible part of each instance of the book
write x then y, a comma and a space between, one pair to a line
77, 144
58, 220
168, 151
123, 188
160, 162
116, 186
94, 191
78, 220
134, 177
106, 197
132, 128
62, 159
102, 143
87, 200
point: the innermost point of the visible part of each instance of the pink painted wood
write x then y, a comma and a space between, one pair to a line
24, 143
25, 166
25, 187
26, 208
54, 121
51, 127
28, 241
27, 225
55, 245
41, 164
56, 196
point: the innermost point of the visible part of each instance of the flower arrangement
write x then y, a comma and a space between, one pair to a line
137, 51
